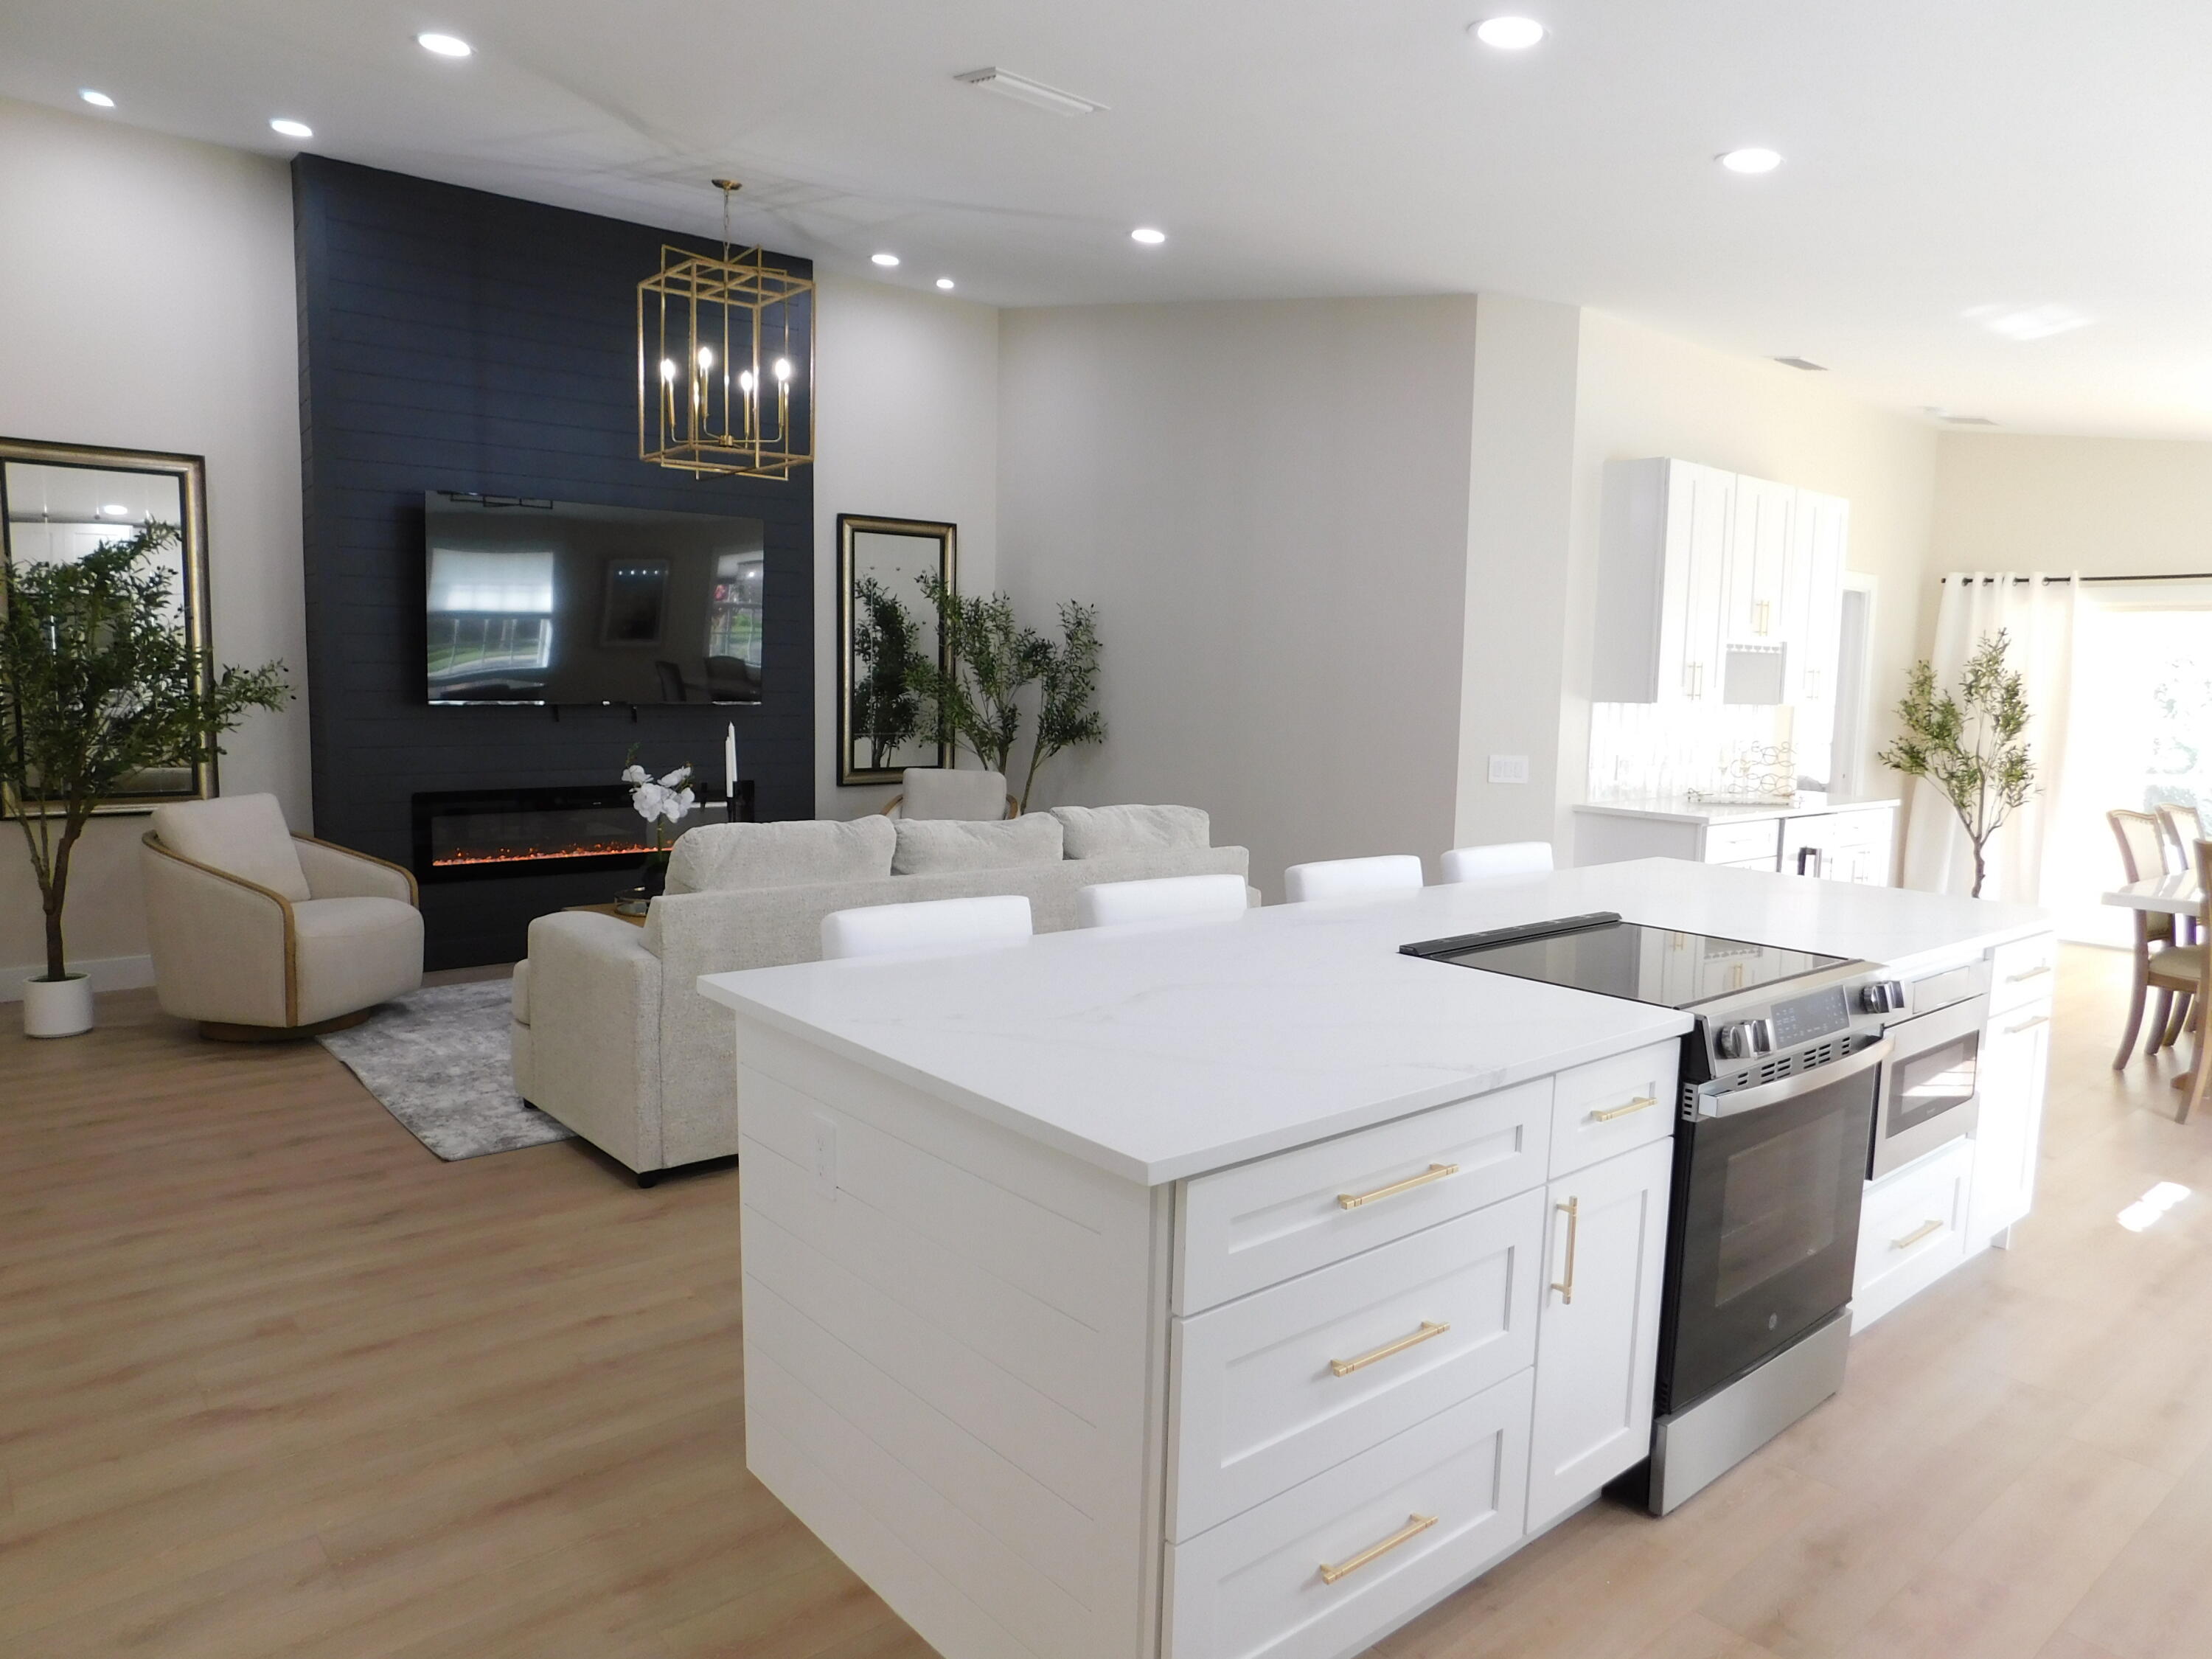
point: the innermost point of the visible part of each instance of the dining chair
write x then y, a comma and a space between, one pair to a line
2161, 964
2183, 829
1504, 858
2200, 1074
1393, 872
927, 925
1160, 899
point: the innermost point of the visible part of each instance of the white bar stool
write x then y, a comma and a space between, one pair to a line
928, 925
1393, 872
1160, 899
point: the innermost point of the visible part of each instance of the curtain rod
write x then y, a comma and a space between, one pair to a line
2178, 576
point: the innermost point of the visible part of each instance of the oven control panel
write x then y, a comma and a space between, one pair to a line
1809, 1018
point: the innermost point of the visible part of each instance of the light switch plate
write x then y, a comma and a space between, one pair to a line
1508, 769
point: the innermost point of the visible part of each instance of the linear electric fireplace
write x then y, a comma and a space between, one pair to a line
467, 835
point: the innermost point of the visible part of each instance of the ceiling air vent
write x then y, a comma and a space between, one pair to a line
1036, 93
1949, 419
1803, 362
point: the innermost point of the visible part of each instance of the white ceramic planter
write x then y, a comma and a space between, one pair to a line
57, 1007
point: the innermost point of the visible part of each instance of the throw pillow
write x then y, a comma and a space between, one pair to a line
800, 853
930, 847
1097, 831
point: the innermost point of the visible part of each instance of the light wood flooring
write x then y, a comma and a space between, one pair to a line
274, 1381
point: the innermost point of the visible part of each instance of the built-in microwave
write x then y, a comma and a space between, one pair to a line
1930, 1090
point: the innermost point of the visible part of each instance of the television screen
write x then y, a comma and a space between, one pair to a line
556, 602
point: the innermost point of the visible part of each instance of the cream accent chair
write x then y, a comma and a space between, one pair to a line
940, 791
1502, 858
1334, 878
258, 932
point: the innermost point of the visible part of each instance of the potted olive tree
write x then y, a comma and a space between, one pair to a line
99, 683
1968, 743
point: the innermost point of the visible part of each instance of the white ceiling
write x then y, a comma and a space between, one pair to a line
1948, 161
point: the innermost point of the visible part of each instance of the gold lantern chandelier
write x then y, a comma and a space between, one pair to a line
715, 362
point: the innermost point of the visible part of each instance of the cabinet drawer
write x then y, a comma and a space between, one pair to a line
1259, 1223
1612, 1106
1255, 1587
1868, 828
1912, 1230
1414, 1325
1743, 843
2022, 971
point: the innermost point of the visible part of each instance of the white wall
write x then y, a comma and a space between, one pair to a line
1517, 623
1268, 504
1644, 393
906, 428
2105, 506
147, 302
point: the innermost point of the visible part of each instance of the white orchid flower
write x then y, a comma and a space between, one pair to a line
677, 779
635, 773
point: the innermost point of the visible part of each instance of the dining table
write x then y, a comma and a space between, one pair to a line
2177, 893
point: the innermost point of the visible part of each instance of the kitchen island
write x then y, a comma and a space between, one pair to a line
1233, 1287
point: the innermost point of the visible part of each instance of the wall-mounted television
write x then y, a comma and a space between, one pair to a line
558, 602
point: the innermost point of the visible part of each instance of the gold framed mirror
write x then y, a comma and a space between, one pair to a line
883, 614
59, 502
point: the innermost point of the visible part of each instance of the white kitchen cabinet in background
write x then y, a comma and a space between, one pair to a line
1716, 586
1597, 1340
1665, 559
1853, 843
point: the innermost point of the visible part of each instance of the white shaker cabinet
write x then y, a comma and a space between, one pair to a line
2015, 1068
1718, 587
1597, 1338
1664, 578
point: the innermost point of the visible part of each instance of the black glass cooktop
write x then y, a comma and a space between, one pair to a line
1616, 958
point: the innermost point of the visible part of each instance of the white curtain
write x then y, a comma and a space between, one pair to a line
2040, 615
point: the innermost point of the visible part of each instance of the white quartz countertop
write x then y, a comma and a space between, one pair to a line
1161, 1050
1681, 809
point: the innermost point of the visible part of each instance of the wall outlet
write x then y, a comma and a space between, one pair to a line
825, 1156
1508, 769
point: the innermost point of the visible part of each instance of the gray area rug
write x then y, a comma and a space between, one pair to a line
438, 1060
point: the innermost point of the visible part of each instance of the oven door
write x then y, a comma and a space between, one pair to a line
1766, 1224
1930, 1087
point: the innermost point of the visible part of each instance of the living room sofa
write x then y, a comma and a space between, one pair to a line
612, 1039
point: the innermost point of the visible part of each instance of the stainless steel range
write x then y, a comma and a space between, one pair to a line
1778, 1089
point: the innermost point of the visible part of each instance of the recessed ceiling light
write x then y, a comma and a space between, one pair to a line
2030, 323
97, 100
290, 128
1804, 363
1148, 236
945, 282
1751, 160
1508, 34
445, 46
116, 510
886, 260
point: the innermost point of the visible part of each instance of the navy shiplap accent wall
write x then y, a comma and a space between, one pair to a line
450, 339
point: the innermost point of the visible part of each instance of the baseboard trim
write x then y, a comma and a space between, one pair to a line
108, 973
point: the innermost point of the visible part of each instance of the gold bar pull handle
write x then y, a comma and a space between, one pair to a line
1434, 1172
1635, 1105
1414, 1527
1566, 1287
1429, 1327
2027, 1025
1916, 1236
2029, 973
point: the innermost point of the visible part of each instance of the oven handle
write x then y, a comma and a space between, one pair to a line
1729, 1102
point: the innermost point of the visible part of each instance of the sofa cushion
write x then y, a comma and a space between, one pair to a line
937, 792
1093, 832
803, 853
241, 835
932, 847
